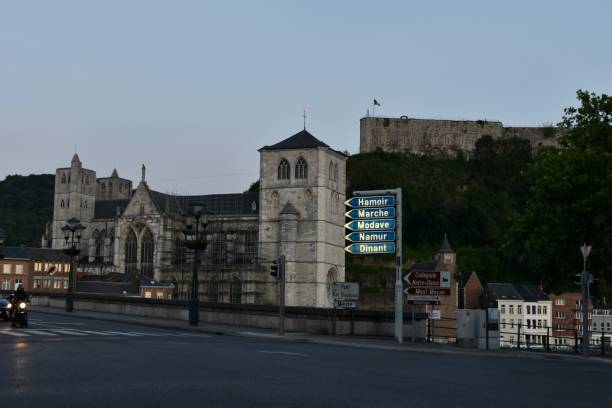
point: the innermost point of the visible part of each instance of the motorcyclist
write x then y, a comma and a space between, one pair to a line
18, 296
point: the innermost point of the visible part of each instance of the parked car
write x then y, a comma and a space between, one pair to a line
4, 315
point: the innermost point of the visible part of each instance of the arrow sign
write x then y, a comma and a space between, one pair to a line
429, 278
365, 213
370, 225
371, 236
427, 291
423, 298
374, 248
371, 201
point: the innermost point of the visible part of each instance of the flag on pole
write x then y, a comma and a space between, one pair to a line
376, 103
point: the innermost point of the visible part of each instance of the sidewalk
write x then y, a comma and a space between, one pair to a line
381, 343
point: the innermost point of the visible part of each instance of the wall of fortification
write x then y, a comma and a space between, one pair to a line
441, 137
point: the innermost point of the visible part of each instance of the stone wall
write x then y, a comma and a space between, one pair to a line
442, 137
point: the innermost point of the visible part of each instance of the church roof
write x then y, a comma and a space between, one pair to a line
75, 159
47, 254
105, 209
115, 174
215, 204
13, 252
301, 140
425, 266
445, 246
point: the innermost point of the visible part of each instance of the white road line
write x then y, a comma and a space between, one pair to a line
287, 353
14, 333
96, 332
69, 332
123, 333
40, 332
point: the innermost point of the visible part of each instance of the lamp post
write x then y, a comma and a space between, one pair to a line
586, 280
72, 236
195, 239
2, 238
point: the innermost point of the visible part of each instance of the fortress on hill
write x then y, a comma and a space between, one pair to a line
443, 138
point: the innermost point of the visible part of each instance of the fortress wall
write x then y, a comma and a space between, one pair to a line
441, 137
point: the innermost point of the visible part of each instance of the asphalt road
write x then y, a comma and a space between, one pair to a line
71, 362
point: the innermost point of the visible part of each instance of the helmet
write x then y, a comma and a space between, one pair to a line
19, 286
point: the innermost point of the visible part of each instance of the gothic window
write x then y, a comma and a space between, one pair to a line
274, 202
69, 178
120, 187
63, 179
99, 245
142, 209
284, 170
87, 180
218, 249
103, 187
110, 188
250, 244
111, 247
301, 169
336, 172
68, 203
331, 170
253, 206
213, 289
147, 247
131, 255
62, 204
85, 204
235, 290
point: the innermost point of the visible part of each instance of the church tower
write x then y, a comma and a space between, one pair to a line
74, 196
302, 194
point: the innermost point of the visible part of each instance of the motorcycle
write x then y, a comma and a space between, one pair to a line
19, 313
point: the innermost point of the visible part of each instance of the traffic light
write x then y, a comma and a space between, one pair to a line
578, 279
275, 267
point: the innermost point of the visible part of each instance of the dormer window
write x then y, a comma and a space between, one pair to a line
301, 169
284, 170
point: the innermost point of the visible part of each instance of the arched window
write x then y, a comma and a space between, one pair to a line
336, 172
62, 204
274, 202
147, 246
250, 244
213, 289
99, 245
284, 170
85, 204
301, 169
131, 252
63, 178
218, 249
331, 170
68, 203
87, 180
236, 290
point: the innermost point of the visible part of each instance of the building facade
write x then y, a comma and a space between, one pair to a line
14, 268
567, 318
139, 231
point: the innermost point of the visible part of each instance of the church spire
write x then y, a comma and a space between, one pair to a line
115, 174
144, 170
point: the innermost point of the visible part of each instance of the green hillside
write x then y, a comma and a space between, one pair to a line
26, 204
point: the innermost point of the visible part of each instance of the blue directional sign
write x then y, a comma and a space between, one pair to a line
373, 248
370, 225
371, 236
371, 201
368, 213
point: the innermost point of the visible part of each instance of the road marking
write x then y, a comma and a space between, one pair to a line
70, 332
287, 353
123, 333
96, 332
147, 334
40, 332
14, 333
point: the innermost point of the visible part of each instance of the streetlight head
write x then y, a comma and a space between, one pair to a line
585, 250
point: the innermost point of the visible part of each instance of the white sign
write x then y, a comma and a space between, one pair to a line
345, 291
423, 298
345, 304
435, 315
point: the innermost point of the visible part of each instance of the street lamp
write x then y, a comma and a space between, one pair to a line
2, 238
72, 236
586, 280
195, 239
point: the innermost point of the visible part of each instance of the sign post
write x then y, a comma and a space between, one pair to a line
377, 229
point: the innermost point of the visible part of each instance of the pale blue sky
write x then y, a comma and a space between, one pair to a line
194, 88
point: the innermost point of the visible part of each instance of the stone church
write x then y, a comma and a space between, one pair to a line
298, 212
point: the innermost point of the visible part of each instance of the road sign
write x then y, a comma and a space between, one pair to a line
423, 298
371, 248
345, 290
370, 225
427, 291
371, 236
346, 304
370, 213
431, 279
371, 201
435, 315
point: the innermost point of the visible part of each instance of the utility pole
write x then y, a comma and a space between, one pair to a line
399, 287
278, 271
585, 250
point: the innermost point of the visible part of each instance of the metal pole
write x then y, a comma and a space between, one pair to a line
585, 309
194, 304
487, 328
281, 299
399, 289
70, 292
518, 337
412, 327
603, 349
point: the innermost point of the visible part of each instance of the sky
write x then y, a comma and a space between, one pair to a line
193, 88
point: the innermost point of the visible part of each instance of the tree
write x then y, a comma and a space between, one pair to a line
571, 199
